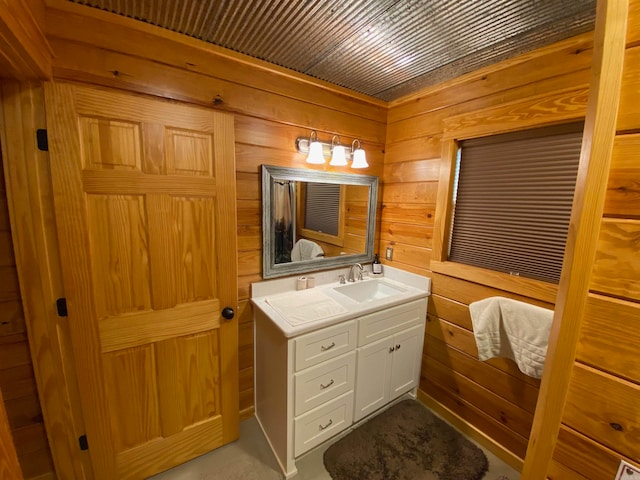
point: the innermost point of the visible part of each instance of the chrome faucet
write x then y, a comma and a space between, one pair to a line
358, 274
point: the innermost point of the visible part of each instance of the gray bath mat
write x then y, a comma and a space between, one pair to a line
406, 442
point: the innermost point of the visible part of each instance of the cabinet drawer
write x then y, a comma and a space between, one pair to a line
317, 385
324, 422
330, 342
391, 320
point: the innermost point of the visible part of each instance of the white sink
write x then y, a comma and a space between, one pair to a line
369, 290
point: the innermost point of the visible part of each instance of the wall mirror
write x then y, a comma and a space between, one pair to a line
313, 220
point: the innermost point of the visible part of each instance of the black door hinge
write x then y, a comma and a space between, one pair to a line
42, 139
84, 443
61, 305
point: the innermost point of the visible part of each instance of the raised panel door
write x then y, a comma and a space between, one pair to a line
145, 207
405, 366
373, 374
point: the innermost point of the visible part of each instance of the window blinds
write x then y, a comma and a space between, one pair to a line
322, 209
513, 201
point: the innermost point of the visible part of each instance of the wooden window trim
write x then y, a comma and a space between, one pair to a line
474, 125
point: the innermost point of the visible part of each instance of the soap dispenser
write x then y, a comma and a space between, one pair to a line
377, 266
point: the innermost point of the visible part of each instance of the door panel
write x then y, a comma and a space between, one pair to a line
407, 360
145, 206
372, 377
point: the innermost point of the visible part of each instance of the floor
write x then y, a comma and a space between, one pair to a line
250, 458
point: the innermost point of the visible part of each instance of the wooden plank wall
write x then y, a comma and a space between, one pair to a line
596, 434
24, 52
271, 107
9, 463
494, 397
17, 380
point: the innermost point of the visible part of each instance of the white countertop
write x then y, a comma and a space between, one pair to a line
413, 286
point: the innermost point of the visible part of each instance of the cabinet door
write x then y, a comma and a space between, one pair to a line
407, 355
372, 377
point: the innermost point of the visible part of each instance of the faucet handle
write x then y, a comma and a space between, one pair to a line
341, 277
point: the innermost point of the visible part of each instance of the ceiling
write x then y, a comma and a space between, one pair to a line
383, 48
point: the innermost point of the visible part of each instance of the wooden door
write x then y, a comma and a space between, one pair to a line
145, 207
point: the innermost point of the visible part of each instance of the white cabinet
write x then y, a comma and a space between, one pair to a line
311, 387
387, 369
406, 361
389, 356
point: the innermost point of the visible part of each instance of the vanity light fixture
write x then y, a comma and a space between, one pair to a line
317, 150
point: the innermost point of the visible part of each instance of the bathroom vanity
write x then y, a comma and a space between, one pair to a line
330, 357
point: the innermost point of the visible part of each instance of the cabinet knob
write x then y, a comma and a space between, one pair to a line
391, 349
398, 347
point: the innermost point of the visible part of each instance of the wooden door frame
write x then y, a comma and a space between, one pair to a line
584, 228
34, 235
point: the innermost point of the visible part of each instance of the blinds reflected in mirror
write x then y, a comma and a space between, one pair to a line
322, 208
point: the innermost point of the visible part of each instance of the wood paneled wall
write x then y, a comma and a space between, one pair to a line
493, 397
271, 108
9, 464
24, 51
596, 434
17, 380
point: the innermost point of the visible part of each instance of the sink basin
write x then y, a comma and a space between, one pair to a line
369, 290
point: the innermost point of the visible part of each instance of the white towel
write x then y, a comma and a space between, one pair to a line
508, 328
305, 250
305, 306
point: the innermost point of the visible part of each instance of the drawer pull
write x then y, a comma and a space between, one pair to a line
323, 427
324, 349
322, 387
391, 349
398, 347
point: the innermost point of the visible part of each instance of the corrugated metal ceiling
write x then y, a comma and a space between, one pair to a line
383, 48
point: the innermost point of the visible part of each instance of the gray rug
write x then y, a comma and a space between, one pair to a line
406, 442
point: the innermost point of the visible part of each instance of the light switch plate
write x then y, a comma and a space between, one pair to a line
389, 253
627, 472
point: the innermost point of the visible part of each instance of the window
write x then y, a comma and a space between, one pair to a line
512, 201
322, 208
321, 213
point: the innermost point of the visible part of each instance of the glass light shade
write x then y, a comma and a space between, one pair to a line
338, 157
315, 153
359, 159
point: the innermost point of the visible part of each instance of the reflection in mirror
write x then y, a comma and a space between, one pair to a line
316, 220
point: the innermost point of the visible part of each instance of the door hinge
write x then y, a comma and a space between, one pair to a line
84, 443
42, 139
61, 305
